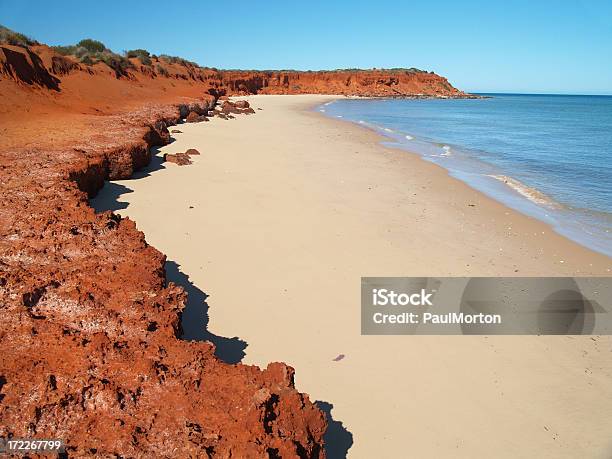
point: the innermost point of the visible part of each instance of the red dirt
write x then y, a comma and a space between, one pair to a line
89, 326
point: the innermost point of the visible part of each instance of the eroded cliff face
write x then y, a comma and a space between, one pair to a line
89, 326
365, 83
47, 66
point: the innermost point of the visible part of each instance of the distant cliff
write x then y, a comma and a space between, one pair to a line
47, 67
369, 83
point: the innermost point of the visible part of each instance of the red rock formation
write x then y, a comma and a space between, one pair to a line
181, 159
40, 60
25, 66
192, 117
89, 328
367, 83
240, 107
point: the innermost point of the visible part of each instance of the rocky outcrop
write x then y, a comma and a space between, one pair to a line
366, 83
61, 65
240, 107
201, 107
192, 117
90, 326
181, 159
25, 66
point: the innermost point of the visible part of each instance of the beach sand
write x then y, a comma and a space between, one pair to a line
286, 210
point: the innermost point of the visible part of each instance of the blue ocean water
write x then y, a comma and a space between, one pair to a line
549, 156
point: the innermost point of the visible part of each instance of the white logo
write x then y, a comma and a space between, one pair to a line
384, 297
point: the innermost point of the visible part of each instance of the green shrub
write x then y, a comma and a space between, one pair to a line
90, 52
11, 37
177, 60
142, 54
161, 70
116, 62
93, 46
65, 50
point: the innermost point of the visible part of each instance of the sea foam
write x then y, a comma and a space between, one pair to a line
530, 193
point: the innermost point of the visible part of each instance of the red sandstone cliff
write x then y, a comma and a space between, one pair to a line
89, 325
369, 83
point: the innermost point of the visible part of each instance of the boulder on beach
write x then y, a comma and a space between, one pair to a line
192, 117
182, 159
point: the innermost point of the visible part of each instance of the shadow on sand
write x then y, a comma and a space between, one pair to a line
338, 440
195, 318
108, 197
157, 163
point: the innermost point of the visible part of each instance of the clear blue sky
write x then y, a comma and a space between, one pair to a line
562, 46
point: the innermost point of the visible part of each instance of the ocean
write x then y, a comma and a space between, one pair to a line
547, 156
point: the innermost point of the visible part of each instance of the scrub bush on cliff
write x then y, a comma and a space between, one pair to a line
93, 46
142, 54
90, 52
178, 60
161, 70
11, 37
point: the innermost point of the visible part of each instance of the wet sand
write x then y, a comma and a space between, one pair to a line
279, 218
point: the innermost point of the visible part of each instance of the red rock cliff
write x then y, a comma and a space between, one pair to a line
372, 83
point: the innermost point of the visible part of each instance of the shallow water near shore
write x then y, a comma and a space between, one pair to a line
547, 156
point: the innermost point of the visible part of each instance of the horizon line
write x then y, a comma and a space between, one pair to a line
521, 93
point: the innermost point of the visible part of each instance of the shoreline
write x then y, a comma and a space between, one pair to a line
282, 213
495, 183
387, 141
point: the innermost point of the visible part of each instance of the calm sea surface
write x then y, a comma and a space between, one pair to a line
548, 156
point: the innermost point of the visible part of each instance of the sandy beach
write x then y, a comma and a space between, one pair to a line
274, 224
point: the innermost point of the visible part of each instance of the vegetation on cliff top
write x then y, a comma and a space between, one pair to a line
142, 54
178, 60
90, 52
11, 37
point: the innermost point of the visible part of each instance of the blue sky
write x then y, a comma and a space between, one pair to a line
562, 46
